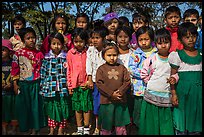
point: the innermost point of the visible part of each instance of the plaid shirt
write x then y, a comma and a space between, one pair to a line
53, 75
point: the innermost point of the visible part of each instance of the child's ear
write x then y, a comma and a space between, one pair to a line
165, 20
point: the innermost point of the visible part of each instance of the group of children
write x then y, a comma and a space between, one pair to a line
121, 76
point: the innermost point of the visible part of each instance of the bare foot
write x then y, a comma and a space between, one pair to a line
51, 131
60, 131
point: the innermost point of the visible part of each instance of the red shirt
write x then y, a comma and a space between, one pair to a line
26, 64
175, 44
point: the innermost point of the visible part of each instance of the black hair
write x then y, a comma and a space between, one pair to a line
190, 12
145, 17
58, 36
108, 44
19, 17
24, 31
186, 27
82, 15
102, 31
145, 29
123, 20
97, 23
126, 29
83, 34
60, 15
162, 34
172, 9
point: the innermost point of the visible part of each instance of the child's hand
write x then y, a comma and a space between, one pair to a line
16, 88
174, 100
89, 84
71, 91
7, 87
171, 80
116, 95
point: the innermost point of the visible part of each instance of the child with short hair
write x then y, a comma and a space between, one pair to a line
53, 84
18, 22
187, 92
172, 17
113, 81
156, 112
111, 22
145, 36
192, 15
82, 100
124, 21
8, 96
82, 21
93, 61
25, 73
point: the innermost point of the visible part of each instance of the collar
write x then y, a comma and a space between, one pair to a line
172, 30
74, 51
52, 55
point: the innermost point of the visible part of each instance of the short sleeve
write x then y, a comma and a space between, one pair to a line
174, 59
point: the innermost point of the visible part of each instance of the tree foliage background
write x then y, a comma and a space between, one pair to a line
38, 18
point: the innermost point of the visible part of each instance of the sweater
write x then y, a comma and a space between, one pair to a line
110, 78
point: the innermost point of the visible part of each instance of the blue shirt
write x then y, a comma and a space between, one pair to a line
135, 66
53, 75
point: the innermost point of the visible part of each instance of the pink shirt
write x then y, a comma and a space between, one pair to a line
76, 68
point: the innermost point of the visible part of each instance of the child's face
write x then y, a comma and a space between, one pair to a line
18, 25
111, 56
61, 25
5, 52
123, 39
191, 19
163, 46
79, 44
112, 25
30, 40
144, 41
137, 24
189, 41
97, 40
81, 22
56, 46
172, 20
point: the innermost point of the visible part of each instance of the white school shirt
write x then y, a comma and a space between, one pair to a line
93, 61
124, 58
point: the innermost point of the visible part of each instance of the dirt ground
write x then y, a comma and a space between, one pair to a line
131, 130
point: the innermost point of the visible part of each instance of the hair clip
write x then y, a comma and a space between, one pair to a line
112, 42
